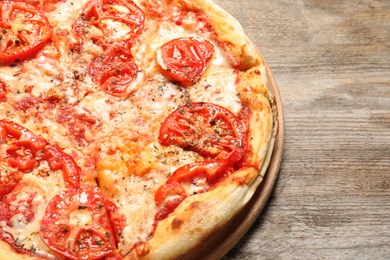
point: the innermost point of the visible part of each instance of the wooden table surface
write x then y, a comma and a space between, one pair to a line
331, 61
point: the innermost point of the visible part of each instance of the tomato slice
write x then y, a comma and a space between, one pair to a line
20, 149
97, 12
165, 205
211, 130
185, 59
212, 171
24, 31
114, 70
46, 5
118, 220
169, 195
23, 151
58, 160
23, 147
77, 225
3, 90
11, 206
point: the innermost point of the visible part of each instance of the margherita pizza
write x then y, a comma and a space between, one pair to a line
129, 129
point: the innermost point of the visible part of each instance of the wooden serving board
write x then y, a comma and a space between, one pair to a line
220, 243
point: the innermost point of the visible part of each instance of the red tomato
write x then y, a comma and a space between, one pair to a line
23, 147
185, 59
9, 178
24, 31
11, 206
210, 171
76, 224
169, 189
96, 12
114, 70
45, 5
58, 160
118, 221
211, 130
166, 206
3, 90
24, 151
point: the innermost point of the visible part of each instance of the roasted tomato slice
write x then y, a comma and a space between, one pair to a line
77, 225
193, 178
46, 5
209, 171
3, 90
114, 70
211, 130
17, 207
22, 148
167, 198
24, 31
23, 151
100, 20
58, 160
185, 59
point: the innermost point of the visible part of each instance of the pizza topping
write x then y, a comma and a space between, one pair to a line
190, 179
24, 31
211, 130
167, 198
17, 210
78, 123
10, 206
21, 212
77, 224
58, 160
114, 70
101, 18
24, 151
3, 90
118, 220
185, 59
46, 5
26, 103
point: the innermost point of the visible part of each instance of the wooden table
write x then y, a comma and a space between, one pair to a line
331, 61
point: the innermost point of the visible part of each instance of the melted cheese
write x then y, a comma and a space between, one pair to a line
128, 176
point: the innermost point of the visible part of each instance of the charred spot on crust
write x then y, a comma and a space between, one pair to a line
195, 204
176, 223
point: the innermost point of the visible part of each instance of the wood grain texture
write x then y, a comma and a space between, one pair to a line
331, 61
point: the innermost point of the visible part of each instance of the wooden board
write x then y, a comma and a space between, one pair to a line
331, 62
219, 244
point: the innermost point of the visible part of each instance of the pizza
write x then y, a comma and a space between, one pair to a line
129, 129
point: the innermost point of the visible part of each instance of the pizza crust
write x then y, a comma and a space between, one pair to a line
228, 31
198, 217
263, 124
